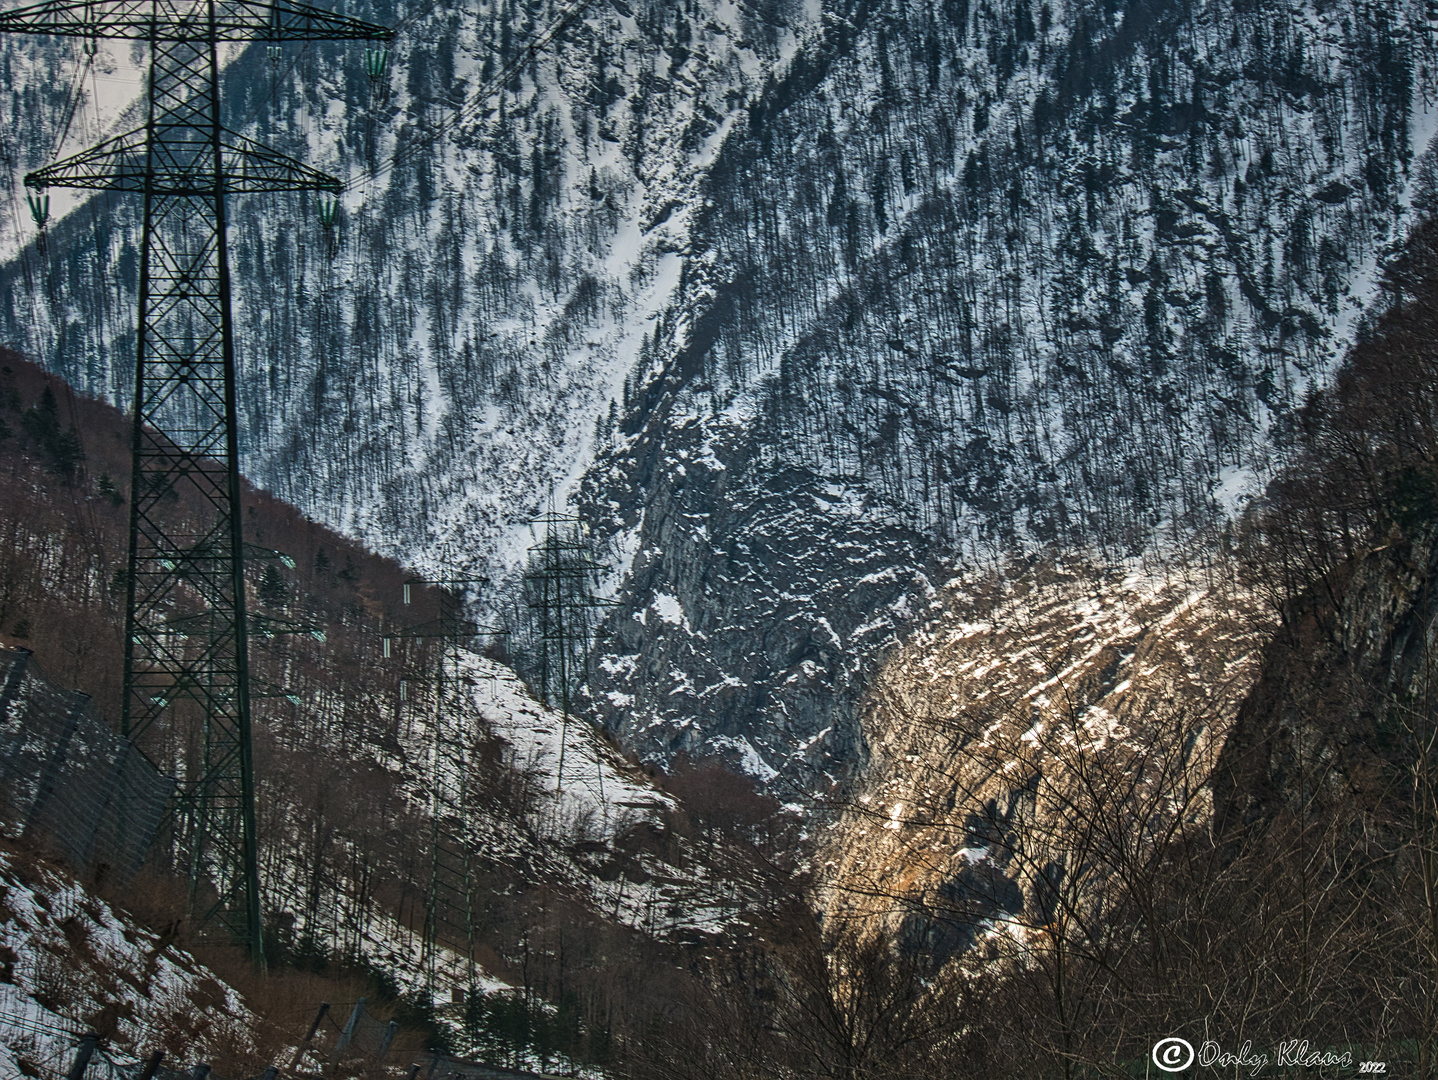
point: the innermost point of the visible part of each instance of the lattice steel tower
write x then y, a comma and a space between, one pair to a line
450, 912
559, 585
186, 642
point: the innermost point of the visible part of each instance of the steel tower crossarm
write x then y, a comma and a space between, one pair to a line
185, 20
177, 166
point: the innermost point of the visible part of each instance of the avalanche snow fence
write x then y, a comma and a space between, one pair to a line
68, 780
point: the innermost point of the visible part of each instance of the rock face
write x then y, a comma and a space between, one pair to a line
1042, 733
1342, 704
811, 306
756, 593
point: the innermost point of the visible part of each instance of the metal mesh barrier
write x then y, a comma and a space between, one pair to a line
50, 1048
363, 1043
68, 780
363, 1036
35, 1039
444, 1067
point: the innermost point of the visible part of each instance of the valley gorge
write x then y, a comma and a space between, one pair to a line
1000, 439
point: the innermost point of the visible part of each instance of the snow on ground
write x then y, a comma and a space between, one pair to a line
70, 963
399, 950
599, 817
595, 784
105, 88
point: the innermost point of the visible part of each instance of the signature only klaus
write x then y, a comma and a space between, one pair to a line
1175, 1055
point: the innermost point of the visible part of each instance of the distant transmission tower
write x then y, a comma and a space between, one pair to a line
186, 640
559, 586
450, 915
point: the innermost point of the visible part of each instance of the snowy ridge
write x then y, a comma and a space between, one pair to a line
597, 793
592, 816
608, 840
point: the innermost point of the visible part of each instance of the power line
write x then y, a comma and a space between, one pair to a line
476, 102
450, 900
72, 100
398, 29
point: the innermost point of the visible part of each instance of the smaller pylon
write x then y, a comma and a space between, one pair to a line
560, 586
450, 905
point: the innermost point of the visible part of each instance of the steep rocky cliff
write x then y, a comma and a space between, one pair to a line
1051, 702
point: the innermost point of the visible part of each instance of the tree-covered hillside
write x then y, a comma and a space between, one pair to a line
820, 301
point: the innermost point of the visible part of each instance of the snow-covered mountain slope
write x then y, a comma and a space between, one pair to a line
70, 963
880, 291
974, 279
595, 813
427, 385
528, 813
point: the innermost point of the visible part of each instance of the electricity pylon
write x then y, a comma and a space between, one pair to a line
559, 586
451, 892
186, 640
